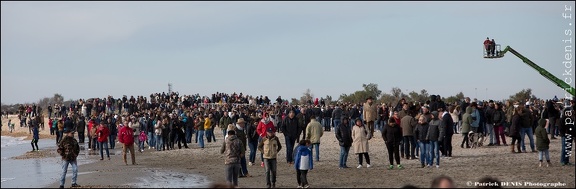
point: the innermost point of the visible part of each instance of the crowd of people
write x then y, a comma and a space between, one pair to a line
410, 130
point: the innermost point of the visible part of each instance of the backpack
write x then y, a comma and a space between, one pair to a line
67, 150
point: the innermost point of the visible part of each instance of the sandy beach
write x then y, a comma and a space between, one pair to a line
196, 167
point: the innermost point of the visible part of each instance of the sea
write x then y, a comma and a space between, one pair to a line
42, 172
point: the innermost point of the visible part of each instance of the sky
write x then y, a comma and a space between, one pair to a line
96, 49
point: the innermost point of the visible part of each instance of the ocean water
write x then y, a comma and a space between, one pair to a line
42, 172
30, 173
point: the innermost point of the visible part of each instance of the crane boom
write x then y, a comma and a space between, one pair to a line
560, 83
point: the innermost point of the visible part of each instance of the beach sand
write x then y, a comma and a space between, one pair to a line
197, 167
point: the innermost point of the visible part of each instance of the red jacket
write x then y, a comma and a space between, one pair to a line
486, 43
262, 127
102, 133
90, 125
126, 135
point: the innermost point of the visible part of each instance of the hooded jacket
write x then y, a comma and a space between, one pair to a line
435, 131
232, 150
263, 125
467, 120
303, 154
392, 134
542, 140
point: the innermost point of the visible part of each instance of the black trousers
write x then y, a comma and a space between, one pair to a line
301, 177
393, 153
447, 145
80, 137
360, 158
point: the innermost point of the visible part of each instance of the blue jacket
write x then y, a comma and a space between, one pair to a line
302, 151
476, 115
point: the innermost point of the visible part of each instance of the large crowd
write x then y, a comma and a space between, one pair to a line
410, 130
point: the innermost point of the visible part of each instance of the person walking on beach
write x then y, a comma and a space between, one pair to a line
60, 126
290, 128
466, 124
81, 128
392, 135
240, 129
269, 147
344, 136
264, 124
303, 163
69, 149
233, 149
102, 133
360, 143
126, 137
35, 138
314, 132
252, 137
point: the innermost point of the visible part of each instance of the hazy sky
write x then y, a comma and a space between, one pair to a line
95, 49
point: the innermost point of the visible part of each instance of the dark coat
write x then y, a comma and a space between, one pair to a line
344, 135
421, 132
392, 134
291, 127
447, 124
515, 126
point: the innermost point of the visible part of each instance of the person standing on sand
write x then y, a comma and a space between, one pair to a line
199, 127
313, 134
269, 147
158, 131
69, 149
126, 137
369, 114
344, 136
233, 149
360, 143
392, 135
102, 133
542, 142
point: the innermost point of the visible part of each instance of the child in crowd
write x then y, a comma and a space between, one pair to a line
542, 142
142, 138
303, 163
